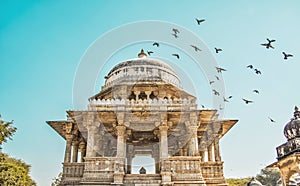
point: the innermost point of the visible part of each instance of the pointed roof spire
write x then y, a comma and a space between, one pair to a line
142, 54
297, 112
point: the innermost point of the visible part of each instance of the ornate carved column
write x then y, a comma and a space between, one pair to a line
217, 150
82, 150
91, 140
69, 138
193, 143
209, 152
75, 151
121, 143
163, 141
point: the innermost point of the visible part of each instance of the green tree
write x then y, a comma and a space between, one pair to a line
57, 180
14, 172
268, 176
6, 131
237, 181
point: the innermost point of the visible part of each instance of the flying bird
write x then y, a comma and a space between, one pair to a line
200, 21
217, 78
196, 48
219, 69
272, 120
202, 106
247, 101
250, 66
211, 82
176, 31
149, 52
286, 56
216, 92
175, 35
268, 45
229, 97
176, 55
257, 71
256, 91
218, 50
225, 100
156, 44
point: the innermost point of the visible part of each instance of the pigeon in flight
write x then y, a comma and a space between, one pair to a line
219, 69
211, 82
286, 56
199, 21
176, 55
247, 101
216, 92
229, 97
218, 50
156, 44
250, 66
256, 91
196, 48
225, 100
217, 78
272, 120
149, 52
257, 71
175, 35
176, 31
268, 45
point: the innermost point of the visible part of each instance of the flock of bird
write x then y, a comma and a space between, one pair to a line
268, 45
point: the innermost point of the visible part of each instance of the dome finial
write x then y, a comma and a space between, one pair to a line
296, 113
142, 54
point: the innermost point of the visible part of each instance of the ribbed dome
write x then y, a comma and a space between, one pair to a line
292, 128
142, 69
254, 182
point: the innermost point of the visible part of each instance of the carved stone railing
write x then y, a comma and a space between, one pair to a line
183, 168
73, 169
72, 173
122, 103
289, 147
212, 172
103, 169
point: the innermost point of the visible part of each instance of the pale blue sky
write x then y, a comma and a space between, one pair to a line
42, 42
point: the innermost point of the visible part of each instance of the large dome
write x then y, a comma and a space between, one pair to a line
142, 69
292, 128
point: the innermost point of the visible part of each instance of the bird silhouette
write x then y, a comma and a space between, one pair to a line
175, 35
217, 78
176, 31
225, 100
156, 44
219, 69
176, 55
229, 97
196, 48
286, 56
202, 106
250, 66
256, 91
268, 45
211, 82
272, 120
218, 50
216, 92
247, 101
257, 71
149, 52
199, 21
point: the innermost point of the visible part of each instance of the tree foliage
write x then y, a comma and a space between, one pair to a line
268, 176
57, 180
237, 181
6, 130
14, 172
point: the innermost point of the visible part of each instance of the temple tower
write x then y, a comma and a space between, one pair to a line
142, 110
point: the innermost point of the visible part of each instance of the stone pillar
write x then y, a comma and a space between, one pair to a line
121, 141
209, 153
91, 141
163, 141
137, 93
202, 154
193, 143
75, 151
82, 150
148, 94
217, 150
69, 138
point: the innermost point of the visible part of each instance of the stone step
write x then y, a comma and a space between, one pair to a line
142, 179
